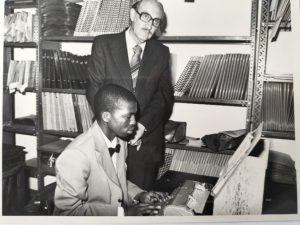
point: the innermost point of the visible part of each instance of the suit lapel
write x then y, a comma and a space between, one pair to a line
103, 156
122, 170
120, 55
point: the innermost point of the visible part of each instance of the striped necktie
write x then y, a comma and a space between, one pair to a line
135, 64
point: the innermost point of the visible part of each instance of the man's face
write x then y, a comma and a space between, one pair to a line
143, 31
122, 121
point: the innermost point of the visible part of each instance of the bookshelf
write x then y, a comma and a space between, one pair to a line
11, 125
47, 136
19, 86
271, 86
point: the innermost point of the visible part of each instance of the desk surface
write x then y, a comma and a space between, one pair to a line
278, 198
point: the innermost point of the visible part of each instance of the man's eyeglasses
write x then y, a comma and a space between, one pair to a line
145, 17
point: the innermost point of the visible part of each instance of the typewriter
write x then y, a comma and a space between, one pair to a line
189, 199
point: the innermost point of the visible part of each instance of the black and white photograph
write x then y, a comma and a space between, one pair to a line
150, 111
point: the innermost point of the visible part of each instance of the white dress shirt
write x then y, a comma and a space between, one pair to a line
130, 43
111, 144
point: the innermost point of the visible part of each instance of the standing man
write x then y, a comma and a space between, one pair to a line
138, 62
91, 171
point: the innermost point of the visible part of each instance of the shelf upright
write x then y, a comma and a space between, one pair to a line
260, 65
40, 177
252, 66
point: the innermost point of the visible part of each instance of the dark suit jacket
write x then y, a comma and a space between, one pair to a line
87, 183
109, 64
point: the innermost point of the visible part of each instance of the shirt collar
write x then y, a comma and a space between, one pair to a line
110, 144
131, 42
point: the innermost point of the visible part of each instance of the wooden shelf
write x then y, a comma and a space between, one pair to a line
20, 4
20, 44
186, 99
186, 39
281, 79
279, 135
183, 99
55, 147
20, 129
67, 91
283, 25
197, 149
61, 133
70, 38
206, 39
32, 167
46, 170
29, 89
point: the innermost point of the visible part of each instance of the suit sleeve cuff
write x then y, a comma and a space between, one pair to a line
143, 127
121, 212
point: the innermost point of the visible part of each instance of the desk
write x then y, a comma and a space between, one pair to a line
242, 191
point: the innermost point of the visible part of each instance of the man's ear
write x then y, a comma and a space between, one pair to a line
106, 116
132, 14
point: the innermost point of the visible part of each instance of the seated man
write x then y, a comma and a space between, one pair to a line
91, 180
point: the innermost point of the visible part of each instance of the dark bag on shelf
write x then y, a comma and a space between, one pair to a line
175, 131
225, 140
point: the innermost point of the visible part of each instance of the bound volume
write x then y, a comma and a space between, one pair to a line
64, 70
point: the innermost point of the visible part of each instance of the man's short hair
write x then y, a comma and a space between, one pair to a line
107, 97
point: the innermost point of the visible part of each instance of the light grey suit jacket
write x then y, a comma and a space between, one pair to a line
87, 183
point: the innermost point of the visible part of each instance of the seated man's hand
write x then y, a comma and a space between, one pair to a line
152, 197
142, 209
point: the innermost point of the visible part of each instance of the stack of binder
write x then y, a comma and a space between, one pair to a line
103, 17
18, 27
281, 168
85, 111
64, 118
215, 76
21, 75
280, 12
186, 79
194, 162
278, 107
64, 70
59, 17
280, 9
